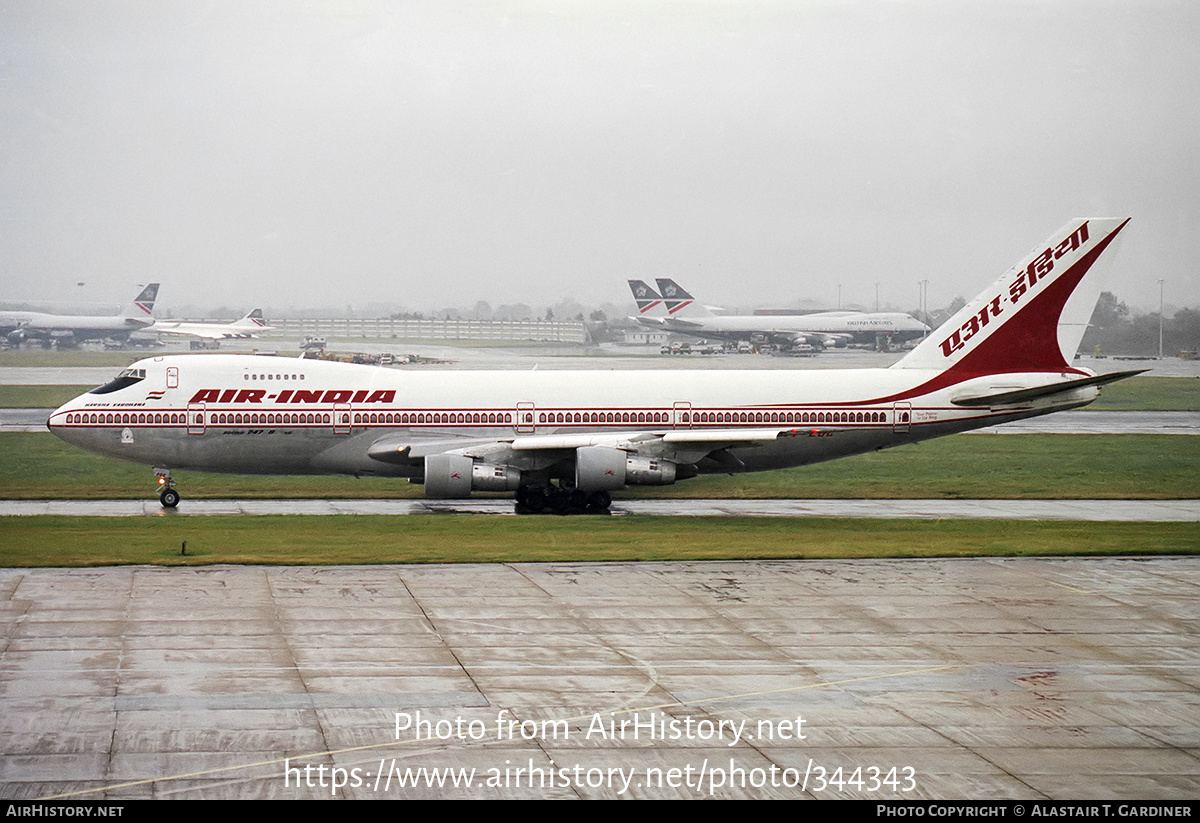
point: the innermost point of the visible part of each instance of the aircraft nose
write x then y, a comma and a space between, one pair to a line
58, 422
54, 423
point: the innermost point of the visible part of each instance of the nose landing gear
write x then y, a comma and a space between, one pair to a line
166, 493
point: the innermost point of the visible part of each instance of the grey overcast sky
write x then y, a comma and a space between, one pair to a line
297, 153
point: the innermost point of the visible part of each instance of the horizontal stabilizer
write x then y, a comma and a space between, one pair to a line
1007, 398
679, 322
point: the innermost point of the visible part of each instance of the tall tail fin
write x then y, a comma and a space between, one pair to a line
678, 300
647, 299
253, 320
142, 307
1032, 318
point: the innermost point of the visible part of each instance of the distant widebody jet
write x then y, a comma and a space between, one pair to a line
249, 326
565, 441
672, 309
19, 326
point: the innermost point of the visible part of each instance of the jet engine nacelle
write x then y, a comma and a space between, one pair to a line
601, 468
452, 476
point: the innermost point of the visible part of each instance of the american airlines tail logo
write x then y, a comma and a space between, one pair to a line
1037, 274
293, 396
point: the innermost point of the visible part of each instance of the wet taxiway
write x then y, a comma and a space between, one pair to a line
1088, 510
1015, 678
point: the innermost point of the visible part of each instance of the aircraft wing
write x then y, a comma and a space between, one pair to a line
686, 445
685, 325
400, 450
834, 338
216, 332
191, 333
657, 441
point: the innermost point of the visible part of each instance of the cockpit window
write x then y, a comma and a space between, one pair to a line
122, 380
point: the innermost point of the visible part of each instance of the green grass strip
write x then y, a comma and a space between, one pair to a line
1150, 394
335, 540
37, 466
70, 358
39, 397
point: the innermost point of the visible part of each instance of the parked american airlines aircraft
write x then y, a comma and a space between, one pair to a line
30, 325
567, 440
673, 309
249, 326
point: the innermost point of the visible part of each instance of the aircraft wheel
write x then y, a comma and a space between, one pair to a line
169, 498
535, 499
560, 501
599, 501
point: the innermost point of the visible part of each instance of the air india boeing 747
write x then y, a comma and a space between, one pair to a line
564, 441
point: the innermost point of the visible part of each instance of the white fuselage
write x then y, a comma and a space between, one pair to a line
833, 324
210, 331
839, 323
81, 326
252, 414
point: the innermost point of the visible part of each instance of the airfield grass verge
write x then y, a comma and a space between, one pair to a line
36, 466
38, 397
68, 358
1150, 394
52, 541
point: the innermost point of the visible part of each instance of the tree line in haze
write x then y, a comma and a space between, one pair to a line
1117, 330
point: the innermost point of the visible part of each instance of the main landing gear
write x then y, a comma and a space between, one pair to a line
166, 493
560, 500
